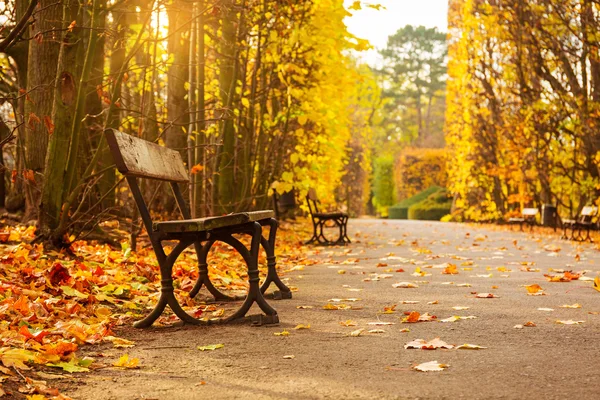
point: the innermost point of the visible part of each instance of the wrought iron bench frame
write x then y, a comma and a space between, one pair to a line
319, 219
585, 221
527, 217
137, 158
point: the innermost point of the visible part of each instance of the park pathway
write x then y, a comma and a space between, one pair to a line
546, 361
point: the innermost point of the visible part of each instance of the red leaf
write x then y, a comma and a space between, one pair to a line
28, 174
33, 119
58, 274
49, 124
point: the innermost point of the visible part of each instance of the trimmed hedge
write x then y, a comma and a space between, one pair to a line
400, 210
433, 208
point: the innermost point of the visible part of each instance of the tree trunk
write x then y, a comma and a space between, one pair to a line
41, 74
63, 113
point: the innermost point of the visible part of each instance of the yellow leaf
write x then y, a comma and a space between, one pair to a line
284, 333
355, 6
356, 332
125, 362
597, 283
302, 326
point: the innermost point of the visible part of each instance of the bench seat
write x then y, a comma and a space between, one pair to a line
330, 215
210, 223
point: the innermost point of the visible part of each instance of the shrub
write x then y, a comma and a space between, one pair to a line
400, 210
434, 208
383, 184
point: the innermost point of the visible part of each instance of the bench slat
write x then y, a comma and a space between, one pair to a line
140, 158
209, 223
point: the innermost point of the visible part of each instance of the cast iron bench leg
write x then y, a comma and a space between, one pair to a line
167, 296
315, 237
269, 245
254, 293
203, 278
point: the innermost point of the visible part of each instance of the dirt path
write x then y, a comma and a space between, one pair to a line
547, 361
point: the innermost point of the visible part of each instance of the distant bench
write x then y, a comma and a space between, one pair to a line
320, 219
527, 217
138, 158
585, 222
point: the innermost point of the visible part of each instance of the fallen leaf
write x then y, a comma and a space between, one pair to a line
430, 345
304, 307
283, 333
569, 322
356, 332
376, 331
125, 362
530, 324
348, 323
404, 285
486, 296
545, 309
576, 305
211, 347
290, 357
467, 346
302, 326
431, 366
460, 308
450, 270
450, 319
380, 323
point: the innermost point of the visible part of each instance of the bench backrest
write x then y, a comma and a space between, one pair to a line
588, 213
141, 158
313, 201
530, 212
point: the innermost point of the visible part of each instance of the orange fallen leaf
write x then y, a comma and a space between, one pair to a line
533, 288
450, 270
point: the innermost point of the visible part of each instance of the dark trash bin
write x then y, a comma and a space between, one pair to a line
549, 215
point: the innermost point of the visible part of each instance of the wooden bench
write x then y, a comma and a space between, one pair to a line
284, 203
137, 158
584, 222
320, 219
527, 217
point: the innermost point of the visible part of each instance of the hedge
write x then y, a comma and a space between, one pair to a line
400, 210
433, 208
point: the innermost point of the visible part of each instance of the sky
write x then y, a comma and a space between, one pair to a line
376, 26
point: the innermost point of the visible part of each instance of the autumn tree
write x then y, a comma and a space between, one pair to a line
413, 73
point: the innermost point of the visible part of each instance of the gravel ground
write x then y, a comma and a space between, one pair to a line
548, 361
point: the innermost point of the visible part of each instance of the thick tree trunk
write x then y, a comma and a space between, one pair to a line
42, 62
63, 113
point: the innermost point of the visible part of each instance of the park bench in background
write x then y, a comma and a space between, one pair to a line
138, 158
321, 219
284, 204
527, 217
585, 222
